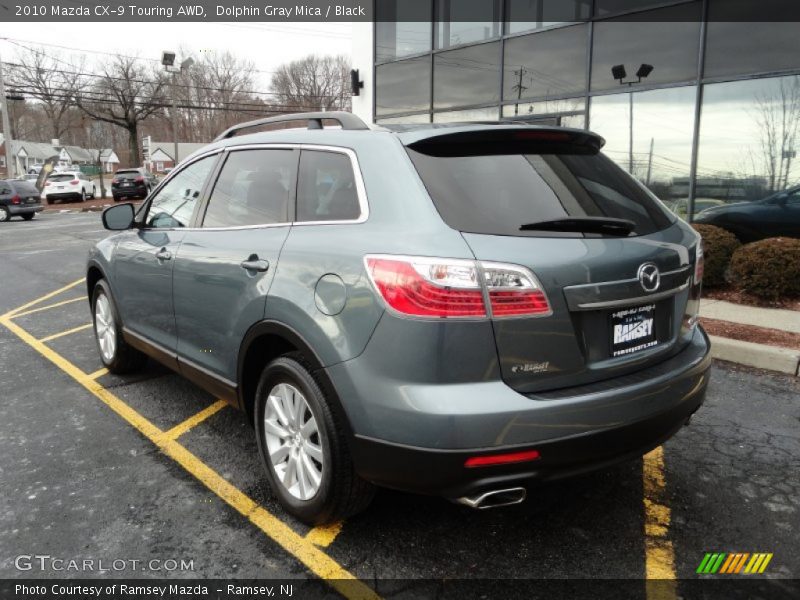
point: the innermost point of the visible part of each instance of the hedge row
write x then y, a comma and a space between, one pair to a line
769, 268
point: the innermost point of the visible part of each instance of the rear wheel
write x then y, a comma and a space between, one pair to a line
84, 195
28, 216
303, 446
4, 214
117, 355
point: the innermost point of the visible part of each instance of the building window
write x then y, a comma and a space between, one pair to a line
403, 28
663, 126
409, 119
735, 46
465, 21
3, 161
569, 112
749, 139
525, 15
668, 39
605, 8
465, 116
546, 64
403, 86
467, 76
159, 166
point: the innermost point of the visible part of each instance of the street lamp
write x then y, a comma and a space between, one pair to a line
619, 73
168, 60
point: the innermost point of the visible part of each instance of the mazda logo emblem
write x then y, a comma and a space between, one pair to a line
649, 277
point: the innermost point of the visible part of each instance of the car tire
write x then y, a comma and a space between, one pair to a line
28, 216
84, 197
339, 492
94, 193
4, 214
116, 198
117, 355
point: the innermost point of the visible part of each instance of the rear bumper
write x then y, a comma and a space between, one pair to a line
24, 209
64, 196
119, 192
574, 431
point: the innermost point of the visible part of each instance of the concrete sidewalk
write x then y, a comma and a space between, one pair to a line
762, 356
772, 318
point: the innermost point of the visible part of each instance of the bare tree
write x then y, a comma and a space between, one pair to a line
125, 94
45, 78
313, 83
777, 114
213, 94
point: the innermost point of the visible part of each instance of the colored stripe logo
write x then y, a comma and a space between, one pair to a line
734, 563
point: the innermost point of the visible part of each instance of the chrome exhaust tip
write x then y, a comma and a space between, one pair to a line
494, 498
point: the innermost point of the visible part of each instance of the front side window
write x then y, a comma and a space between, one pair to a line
174, 204
326, 187
252, 189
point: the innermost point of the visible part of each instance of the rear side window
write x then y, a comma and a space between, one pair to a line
326, 187
252, 189
497, 194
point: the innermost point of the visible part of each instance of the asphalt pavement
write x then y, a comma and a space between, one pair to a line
150, 468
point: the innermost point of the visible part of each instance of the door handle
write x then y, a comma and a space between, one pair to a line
164, 254
255, 264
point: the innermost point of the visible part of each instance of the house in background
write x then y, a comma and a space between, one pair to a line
161, 154
27, 155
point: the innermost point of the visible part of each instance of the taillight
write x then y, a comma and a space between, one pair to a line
140, 180
74, 182
699, 263
428, 287
445, 287
514, 291
15, 199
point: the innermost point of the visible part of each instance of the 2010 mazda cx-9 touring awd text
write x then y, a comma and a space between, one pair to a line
460, 311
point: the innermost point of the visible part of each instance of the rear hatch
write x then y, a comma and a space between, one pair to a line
593, 237
27, 192
62, 183
125, 179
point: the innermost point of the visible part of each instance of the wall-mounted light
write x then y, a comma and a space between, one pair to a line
355, 83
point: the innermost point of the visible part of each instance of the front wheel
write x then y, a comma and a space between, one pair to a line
303, 446
117, 355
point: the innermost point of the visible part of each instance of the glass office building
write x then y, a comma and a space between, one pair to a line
708, 107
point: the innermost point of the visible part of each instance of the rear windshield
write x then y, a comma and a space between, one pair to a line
497, 194
24, 187
62, 177
129, 173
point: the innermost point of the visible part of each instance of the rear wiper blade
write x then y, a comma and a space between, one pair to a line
607, 225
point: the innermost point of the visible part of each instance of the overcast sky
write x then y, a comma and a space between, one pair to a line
267, 45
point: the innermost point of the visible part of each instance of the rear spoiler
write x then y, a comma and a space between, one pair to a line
509, 140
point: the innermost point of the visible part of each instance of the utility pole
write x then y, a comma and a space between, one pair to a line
6, 125
650, 161
519, 88
175, 117
630, 133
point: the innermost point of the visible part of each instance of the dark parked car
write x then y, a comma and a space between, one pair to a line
132, 183
460, 311
19, 198
773, 216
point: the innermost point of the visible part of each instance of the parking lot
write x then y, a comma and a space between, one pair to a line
150, 467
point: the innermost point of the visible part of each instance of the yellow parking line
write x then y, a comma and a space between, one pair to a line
194, 420
69, 286
98, 373
41, 308
659, 553
55, 336
317, 561
324, 534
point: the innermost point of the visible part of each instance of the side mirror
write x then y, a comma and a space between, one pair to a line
119, 217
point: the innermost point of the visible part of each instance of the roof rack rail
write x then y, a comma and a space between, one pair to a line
346, 120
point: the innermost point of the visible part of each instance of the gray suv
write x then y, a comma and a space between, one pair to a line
459, 310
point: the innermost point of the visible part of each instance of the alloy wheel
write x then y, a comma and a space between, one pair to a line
104, 326
293, 441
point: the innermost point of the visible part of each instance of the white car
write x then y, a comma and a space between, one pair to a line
69, 185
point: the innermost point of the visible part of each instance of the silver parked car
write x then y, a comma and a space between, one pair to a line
458, 310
